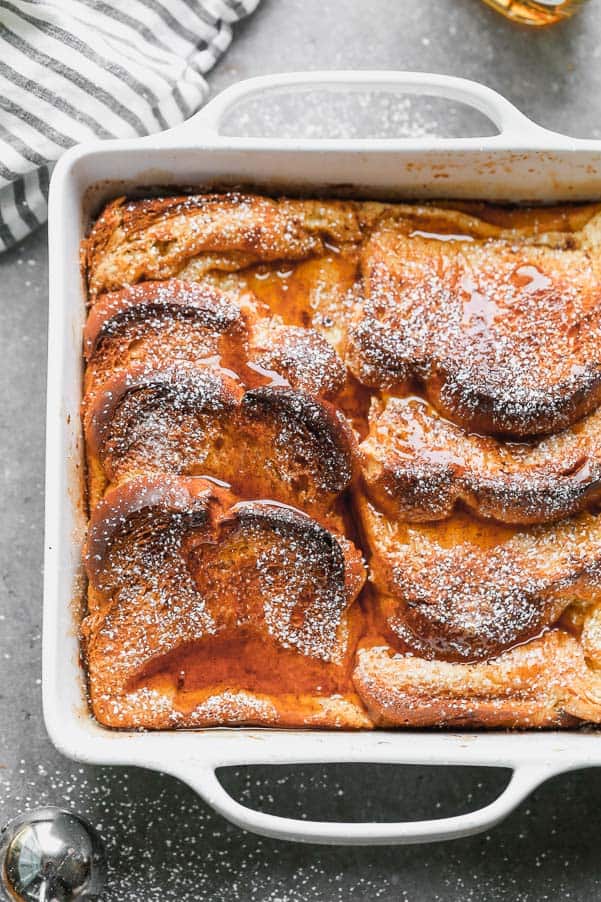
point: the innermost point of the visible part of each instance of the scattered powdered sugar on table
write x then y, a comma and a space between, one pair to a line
165, 845
183, 852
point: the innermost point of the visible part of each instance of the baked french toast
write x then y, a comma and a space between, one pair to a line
282, 397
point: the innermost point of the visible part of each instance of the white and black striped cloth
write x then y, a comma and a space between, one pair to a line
74, 70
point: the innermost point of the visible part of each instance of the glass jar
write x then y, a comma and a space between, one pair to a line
536, 12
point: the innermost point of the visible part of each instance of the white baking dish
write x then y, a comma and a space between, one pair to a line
522, 163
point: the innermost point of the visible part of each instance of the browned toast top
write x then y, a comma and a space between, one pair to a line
178, 568
134, 241
418, 466
544, 682
269, 441
465, 589
503, 338
177, 322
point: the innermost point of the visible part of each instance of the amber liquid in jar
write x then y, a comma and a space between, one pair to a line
536, 12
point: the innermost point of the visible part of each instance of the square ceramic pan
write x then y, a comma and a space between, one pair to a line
523, 163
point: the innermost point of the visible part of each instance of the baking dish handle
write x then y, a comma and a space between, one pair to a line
512, 125
204, 780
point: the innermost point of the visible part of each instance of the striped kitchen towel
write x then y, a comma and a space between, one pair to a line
74, 70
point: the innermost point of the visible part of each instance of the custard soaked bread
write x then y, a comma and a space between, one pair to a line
420, 467
503, 337
206, 610
284, 396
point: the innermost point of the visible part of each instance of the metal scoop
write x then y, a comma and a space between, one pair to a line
50, 855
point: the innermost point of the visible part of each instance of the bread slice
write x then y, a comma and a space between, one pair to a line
503, 336
154, 238
177, 322
418, 466
267, 442
466, 590
545, 683
204, 610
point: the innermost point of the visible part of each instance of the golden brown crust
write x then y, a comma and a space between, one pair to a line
177, 567
466, 590
158, 301
216, 344
154, 239
419, 467
177, 322
163, 237
545, 683
503, 341
269, 442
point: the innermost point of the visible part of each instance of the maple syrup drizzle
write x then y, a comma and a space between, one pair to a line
530, 278
479, 310
464, 528
271, 502
265, 375
233, 361
213, 479
246, 662
295, 292
291, 293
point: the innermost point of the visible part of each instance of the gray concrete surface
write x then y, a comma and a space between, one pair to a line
164, 844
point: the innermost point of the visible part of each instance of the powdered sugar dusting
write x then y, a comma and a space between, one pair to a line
173, 578
497, 326
419, 465
505, 338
